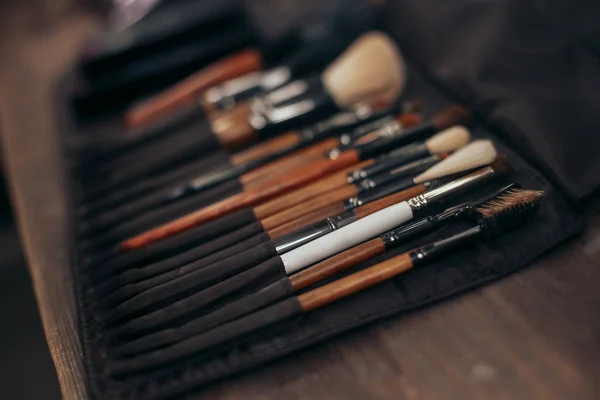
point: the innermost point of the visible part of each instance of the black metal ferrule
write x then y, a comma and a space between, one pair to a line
412, 169
408, 232
368, 196
428, 252
389, 161
407, 136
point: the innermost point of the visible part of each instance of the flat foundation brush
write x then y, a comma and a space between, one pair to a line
508, 212
229, 276
298, 178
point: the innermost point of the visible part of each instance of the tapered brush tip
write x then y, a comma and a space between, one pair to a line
451, 115
476, 154
370, 72
501, 165
449, 140
509, 210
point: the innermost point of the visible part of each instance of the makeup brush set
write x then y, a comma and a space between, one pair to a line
248, 211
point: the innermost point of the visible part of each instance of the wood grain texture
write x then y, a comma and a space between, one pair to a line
285, 164
337, 264
266, 148
307, 207
355, 282
324, 185
306, 220
187, 91
390, 200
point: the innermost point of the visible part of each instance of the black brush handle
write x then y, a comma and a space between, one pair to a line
211, 339
407, 136
376, 194
243, 306
395, 159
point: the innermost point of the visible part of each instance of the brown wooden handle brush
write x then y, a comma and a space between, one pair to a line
268, 191
294, 179
188, 90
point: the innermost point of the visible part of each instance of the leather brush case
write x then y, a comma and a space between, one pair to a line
515, 97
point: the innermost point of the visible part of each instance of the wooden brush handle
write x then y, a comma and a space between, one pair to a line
291, 161
223, 207
306, 220
355, 283
189, 221
187, 91
306, 207
311, 191
390, 200
266, 148
233, 129
337, 264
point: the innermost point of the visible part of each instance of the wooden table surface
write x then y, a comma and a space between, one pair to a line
533, 335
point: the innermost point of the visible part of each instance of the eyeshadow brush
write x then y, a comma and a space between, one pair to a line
315, 244
316, 45
300, 177
507, 212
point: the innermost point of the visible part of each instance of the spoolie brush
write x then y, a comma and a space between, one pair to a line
508, 211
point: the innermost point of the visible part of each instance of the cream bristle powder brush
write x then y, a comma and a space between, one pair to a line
497, 217
353, 80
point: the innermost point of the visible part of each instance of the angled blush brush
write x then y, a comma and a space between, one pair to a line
254, 312
377, 77
297, 178
229, 276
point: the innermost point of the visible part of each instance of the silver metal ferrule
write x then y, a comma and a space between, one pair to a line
275, 77
281, 114
356, 175
223, 95
353, 202
294, 240
367, 184
266, 102
451, 189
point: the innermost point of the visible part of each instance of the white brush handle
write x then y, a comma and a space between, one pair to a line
347, 237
